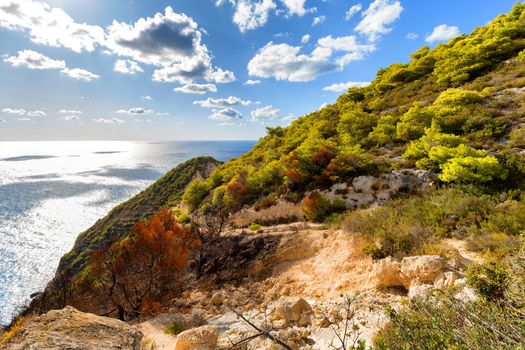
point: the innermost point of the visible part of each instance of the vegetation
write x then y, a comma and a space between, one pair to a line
131, 276
174, 328
447, 111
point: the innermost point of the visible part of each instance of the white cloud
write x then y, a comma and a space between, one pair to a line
352, 11
252, 82
36, 114
171, 41
306, 38
318, 20
127, 67
16, 111
25, 119
345, 86
135, 111
442, 32
226, 115
109, 121
50, 26
221, 76
2, 120
376, 19
198, 89
65, 111
265, 113
79, 74
412, 36
285, 62
34, 60
71, 117
295, 7
250, 14
147, 98
222, 102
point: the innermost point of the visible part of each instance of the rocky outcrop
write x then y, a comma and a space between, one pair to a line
292, 311
411, 271
71, 329
365, 190
201, 338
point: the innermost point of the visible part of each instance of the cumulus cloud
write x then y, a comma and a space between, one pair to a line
306, 38
222, 102
296, 7
345, 86
171, 41
127, 67
265, 113
135, 111
220, 76
412, 36
109, 121
250, 14
377, 18
50, 26
36, 114
352, 11
15, 111
79, 74
285, 62
252, 82
226, 115
198, 89
34, 60
442, 32
318, 20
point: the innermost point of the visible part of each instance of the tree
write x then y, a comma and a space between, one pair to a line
132, 274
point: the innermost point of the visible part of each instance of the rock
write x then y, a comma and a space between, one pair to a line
217, 299
71, 329
419, 290
292, 310
201, 338
421, 269
445, 280
387, 273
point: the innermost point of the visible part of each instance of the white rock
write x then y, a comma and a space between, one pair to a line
201, 338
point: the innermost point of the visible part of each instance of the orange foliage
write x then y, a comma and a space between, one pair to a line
133, 274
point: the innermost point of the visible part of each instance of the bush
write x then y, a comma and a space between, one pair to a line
174, 328
316, 207
489, 279
254, 226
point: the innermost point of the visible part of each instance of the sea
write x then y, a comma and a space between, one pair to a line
50, 192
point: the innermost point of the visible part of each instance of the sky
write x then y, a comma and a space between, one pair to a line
201, 69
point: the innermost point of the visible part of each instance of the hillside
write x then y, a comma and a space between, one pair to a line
395, 217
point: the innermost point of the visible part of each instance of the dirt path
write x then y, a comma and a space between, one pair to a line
159, 339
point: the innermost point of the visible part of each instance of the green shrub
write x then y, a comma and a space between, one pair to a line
489, 279
254, 226
174, 328
316, 207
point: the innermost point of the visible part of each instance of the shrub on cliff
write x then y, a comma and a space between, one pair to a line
132, 275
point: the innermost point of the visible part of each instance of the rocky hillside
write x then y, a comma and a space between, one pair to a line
391, 219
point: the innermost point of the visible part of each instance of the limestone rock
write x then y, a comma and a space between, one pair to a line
201, 338
292, 310
71, 329
387, 273
422, 269
217, 299
445, 280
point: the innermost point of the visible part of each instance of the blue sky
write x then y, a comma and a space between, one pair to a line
201, 69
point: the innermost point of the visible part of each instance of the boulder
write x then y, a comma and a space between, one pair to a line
445, 280
421, 269
201, 338
71, 329
217, 299
292, 311
387, 273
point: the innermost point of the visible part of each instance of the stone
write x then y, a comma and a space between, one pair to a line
423, 268
71, 329
292, 310
201, 338
387, 273
445, 280
217, 299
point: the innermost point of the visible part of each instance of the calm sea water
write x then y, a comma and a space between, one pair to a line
52, 191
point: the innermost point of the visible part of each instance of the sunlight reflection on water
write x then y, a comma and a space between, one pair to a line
52, 191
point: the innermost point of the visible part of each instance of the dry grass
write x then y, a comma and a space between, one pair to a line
280, 213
